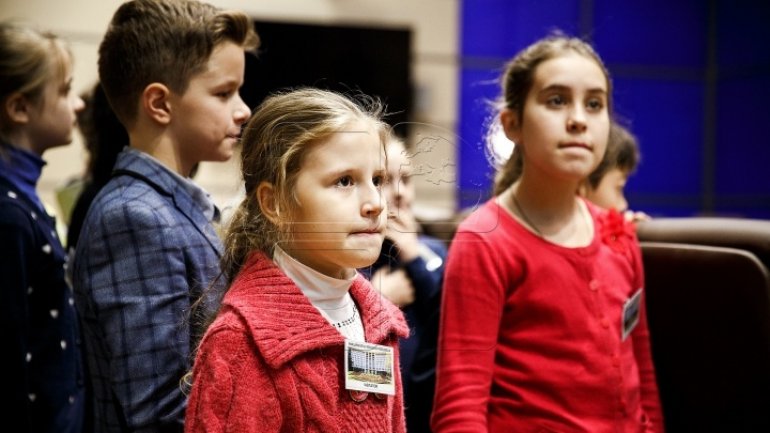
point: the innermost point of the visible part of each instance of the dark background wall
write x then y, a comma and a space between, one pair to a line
691, 77
346, 59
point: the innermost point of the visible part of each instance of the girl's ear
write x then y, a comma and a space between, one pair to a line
268, 203
17, 108
155, 102
509, 119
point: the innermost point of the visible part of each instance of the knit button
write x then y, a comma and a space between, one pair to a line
593, 285
63, 345
12, 194
54, 313
29, 290
72, 399
32, 397
47, 249
29, 357
358, 396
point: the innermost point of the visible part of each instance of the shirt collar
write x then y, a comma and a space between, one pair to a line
198, 194
23, 169
322, 290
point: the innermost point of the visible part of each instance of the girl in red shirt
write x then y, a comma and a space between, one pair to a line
543, 326
302, 342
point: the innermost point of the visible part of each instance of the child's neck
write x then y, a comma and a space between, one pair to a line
21, 140
551, 211
157, 143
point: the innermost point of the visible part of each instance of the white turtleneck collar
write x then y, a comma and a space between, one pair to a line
330, 296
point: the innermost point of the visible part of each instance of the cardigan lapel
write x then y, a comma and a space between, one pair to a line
284, 324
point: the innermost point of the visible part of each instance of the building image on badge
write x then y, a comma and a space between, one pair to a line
371, 364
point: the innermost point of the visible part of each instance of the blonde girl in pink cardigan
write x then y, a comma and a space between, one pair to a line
302, 342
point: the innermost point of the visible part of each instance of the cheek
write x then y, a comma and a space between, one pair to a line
602, 132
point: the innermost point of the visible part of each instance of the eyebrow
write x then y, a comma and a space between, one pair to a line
561, 87
229, 82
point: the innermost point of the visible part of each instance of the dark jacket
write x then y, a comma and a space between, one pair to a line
43, 377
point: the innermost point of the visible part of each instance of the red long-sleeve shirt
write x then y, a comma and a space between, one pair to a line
531, 332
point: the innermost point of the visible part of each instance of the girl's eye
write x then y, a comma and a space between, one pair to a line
406, 178
345, 181
378, 181
556, 100
595, 104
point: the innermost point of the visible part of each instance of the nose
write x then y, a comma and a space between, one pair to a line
622, 204
242, 112
372, 201
78, 104
576, 122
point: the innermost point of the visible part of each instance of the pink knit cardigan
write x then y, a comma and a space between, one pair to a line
271, 363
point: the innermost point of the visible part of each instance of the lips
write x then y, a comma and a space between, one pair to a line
236, 134
573, 145
369, 231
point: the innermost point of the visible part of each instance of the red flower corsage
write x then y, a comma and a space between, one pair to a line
616, 232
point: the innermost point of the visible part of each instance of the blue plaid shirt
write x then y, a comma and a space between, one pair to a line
146, 252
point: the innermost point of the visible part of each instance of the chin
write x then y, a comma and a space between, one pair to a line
367, 258
223, 156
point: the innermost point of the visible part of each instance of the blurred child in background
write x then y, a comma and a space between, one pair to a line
605, 185
105, 137
409, 273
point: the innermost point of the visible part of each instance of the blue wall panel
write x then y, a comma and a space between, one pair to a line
743, 33
666, 117
478, 89
743, 137
652, 32
691, 76
500, 28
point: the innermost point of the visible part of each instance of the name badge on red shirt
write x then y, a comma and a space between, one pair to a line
631, 310
369, 367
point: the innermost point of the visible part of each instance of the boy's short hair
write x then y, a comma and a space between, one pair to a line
622, 153
163, 41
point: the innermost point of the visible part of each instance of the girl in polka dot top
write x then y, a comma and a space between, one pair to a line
43, 373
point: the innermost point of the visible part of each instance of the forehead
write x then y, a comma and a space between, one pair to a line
358, 138
572, 70
226, 61
61, 63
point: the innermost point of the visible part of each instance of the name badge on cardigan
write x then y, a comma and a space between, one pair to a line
631, 310
369, 367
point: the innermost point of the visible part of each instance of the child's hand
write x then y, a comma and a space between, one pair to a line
395, 286
635, 216
402, 230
